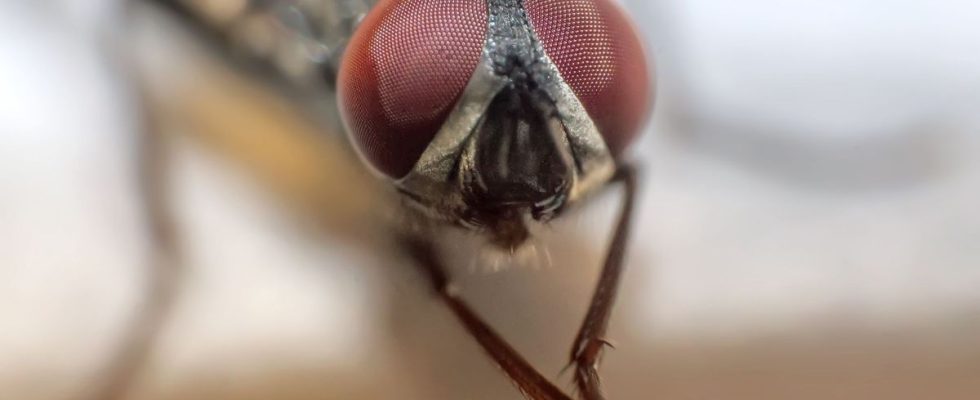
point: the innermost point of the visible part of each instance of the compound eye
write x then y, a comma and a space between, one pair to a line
599, 54
404, 70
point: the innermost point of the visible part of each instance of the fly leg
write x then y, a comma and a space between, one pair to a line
528, 380
162, 271
590, 341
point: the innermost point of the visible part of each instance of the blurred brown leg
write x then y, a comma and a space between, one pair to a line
161, 274
589, 343
528, 380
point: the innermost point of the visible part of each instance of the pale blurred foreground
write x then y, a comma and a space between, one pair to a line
808, 229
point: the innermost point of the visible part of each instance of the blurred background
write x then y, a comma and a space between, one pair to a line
808, 224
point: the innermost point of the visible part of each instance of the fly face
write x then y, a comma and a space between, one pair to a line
489, 114
483, 113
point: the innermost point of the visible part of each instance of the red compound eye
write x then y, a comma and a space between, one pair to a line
598, 53
404, 70
410, 61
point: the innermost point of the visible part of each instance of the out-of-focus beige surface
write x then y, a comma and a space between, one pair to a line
807, 229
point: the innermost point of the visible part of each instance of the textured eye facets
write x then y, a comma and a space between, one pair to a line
599, 54
404, 70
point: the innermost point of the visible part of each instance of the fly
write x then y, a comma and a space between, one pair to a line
486, 115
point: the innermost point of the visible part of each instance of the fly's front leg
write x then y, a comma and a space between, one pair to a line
528, 380
590, 341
